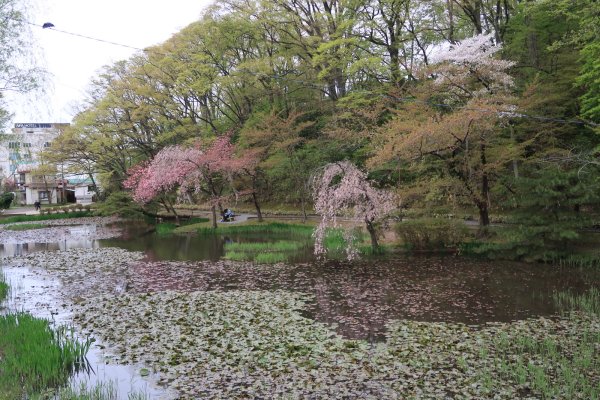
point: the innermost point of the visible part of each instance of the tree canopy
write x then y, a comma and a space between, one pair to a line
452, 104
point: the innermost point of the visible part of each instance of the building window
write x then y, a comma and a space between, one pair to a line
29, 131
47, 144
26, 144
14, 145
14, 156
44, 195
22, 178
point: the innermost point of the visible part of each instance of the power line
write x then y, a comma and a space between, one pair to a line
53, 28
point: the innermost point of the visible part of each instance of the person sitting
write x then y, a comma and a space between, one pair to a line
227, 215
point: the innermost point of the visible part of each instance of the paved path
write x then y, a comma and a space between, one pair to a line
20, 211
239, 218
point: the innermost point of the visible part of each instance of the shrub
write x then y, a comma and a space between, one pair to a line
431, 233
121, 204
6, 200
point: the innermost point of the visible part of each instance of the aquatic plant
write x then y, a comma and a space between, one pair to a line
587, 303
35, 356
257, 344
99, 391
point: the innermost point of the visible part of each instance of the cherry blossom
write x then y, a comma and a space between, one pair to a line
342, 188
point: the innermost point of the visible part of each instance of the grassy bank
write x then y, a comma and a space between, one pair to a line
259, 228
45, 217
166, 228
24, 227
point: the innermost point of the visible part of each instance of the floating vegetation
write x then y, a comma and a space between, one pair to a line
256, 344
35, 356
242, 336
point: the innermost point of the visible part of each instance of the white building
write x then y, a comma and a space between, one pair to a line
19, 155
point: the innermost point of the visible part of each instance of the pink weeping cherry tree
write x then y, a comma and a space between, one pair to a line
342, 189
192, 169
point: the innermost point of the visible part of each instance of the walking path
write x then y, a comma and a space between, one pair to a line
19, 211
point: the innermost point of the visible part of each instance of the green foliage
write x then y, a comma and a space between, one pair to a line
432, 233
590, 80
121, 204
6, 200
555, 205
34, 356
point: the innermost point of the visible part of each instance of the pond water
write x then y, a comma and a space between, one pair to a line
356, 299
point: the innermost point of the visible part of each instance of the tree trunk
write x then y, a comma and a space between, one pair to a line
258, 213
373, 234
213, 209
483, 203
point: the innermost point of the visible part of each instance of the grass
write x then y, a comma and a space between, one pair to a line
263, 252
167, 228
45, 217
279, 246
260, 228
587, 303
3, 290
24, 227
271, 258
34, 356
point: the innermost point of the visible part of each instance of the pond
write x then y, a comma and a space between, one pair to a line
358, 298
355, 299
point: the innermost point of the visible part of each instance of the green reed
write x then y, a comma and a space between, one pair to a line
35, 356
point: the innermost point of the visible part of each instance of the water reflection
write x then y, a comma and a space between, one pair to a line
358, 298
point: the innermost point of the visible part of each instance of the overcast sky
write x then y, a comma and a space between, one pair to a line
72, 61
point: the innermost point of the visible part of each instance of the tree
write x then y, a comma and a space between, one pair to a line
190, 169
457, 119
340, 188
18, 72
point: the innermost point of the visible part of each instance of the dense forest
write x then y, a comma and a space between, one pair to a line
482, 108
